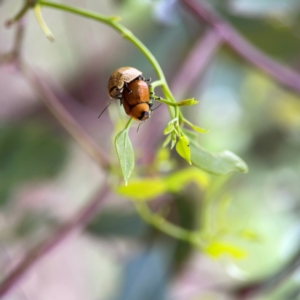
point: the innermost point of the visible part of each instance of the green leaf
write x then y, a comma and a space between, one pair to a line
125, 153
183, 148
220, 163
177, 181
169, 128
162, 155
173, 140
215, 163
197, 129
192, 136
150, 188
186, 102
218, 249
143, 189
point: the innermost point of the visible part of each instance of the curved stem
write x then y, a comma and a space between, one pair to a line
156, 83
128, 123
127, 34
166, 102
19, 15
163, 225
43, 25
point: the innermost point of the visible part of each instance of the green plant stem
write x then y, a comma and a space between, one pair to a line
42, 23
128, 124
156, 83
127, 34
163, 225
112, 21
174, 104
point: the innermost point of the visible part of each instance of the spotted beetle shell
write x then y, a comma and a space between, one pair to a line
118, 78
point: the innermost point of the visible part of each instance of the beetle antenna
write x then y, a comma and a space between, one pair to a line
139, 126
156, 107
104, 110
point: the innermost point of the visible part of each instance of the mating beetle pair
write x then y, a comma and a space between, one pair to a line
129, 86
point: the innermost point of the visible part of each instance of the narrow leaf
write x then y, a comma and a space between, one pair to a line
197, 129
169, 128
125, 153
183, 148
186, 102
173, 140
220, 163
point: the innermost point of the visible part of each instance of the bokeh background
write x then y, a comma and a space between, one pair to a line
45, 176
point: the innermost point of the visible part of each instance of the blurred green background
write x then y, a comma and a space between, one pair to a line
45, 176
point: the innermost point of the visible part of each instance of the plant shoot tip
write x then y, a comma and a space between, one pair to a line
50, 37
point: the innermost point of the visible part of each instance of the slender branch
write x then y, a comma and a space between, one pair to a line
18, 16
112, 22
75, 224
19, 38
66, 120
127, 34
196, 61
165, 226
13, 56
281, 73
264, 286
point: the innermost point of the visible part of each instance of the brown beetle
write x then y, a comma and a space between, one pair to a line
136, 100
129, 86
119, 79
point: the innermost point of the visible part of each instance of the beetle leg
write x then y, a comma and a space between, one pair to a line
143, 78
153, 97
127, 88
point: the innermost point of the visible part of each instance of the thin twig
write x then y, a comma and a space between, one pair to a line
75, 224
19, 38
65, 118
13, 57
18, 16
281, 73
196, 61
264, 286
